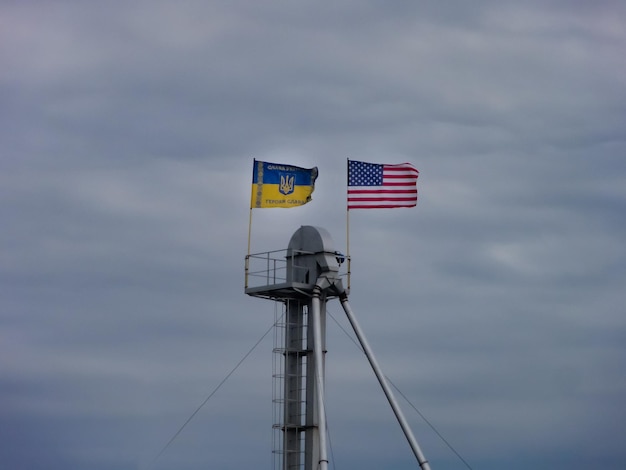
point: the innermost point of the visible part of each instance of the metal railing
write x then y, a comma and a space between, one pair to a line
271, 267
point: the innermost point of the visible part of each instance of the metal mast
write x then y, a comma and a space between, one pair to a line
303, 278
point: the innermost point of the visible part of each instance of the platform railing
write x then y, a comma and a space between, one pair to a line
271, 267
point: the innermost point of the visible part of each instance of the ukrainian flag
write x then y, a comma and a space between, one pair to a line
279, 185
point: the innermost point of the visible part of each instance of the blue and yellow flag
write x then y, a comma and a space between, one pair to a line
279, 185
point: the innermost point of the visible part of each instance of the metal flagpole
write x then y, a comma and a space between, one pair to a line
249, 230
347, 210
383, 383
348, 233
250, 224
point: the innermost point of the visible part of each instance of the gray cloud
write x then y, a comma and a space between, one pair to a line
496, 306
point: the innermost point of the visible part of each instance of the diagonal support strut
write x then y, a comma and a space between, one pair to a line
421, 459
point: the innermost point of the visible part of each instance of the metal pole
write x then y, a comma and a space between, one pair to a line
383, 383
292, 394
319, 376
347, 212
249, 230
318, 355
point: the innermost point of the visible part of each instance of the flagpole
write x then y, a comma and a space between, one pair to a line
249, 230
250, 223
347, 210
348, 232
251, 196
348, 222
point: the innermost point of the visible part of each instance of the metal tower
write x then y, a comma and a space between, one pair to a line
303, 278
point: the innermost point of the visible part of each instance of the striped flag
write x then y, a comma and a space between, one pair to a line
381, 186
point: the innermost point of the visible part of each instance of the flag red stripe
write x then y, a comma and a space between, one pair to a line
382, 191
379, 206
405, 170
400, 167
400, 177
381, 198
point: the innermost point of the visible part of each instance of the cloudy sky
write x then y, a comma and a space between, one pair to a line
496, 306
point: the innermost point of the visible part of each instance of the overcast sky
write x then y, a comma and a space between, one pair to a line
496, 306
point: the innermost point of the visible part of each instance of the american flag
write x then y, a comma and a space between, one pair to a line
380, 186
